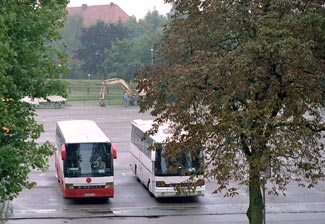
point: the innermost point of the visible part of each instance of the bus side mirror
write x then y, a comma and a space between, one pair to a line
63, 152
114, 152
153, 155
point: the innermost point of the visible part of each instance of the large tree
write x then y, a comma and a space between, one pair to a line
29, 65
71, 42
241, 79
95, 41
122, 60
71, 33
127, 55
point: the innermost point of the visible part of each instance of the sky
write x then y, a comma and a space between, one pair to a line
137, 8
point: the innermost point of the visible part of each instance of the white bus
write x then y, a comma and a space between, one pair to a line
84, 160
153, 169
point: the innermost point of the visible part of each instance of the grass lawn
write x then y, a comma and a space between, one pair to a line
86, 92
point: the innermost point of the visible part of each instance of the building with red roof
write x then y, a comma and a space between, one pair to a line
110, 13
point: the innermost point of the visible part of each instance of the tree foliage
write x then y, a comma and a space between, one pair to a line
154, 20
28, 66
71, 33
95, 40
241, 78
101, 49
130, 54
141, 44
121, 61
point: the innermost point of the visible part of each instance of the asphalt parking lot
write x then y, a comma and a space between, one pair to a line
45, 203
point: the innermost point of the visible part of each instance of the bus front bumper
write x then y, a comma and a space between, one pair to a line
89, 193
161, 192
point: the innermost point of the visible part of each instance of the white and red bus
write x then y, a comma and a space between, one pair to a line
84, 160
156, 172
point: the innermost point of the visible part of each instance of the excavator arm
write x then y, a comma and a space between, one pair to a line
132, 94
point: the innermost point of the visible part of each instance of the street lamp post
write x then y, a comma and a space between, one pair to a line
60, 70
151, 56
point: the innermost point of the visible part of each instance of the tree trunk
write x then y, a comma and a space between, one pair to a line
255, 210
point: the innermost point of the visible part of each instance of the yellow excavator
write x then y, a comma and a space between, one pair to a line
133, 95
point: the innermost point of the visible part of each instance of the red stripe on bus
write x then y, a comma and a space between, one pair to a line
89, 193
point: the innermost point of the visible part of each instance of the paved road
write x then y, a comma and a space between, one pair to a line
132, 203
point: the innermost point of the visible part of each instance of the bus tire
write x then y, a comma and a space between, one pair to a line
149, 189
57, 176
135, 172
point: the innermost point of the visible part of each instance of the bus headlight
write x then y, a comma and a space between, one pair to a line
200, 182
160, 183
68, 186
109, 185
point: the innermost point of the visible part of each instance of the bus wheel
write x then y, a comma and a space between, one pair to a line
135, 172
149, 189
57, 176
148, 185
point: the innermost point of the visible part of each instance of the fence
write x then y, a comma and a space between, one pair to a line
89, 95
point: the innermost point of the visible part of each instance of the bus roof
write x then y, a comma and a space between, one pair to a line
81, 131
163, 130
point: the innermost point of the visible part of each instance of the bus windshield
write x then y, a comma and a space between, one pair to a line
88, 159
183, 165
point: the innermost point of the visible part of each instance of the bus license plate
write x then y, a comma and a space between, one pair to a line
90, 194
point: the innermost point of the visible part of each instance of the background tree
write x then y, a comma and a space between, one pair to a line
241, 78
134, 52
28, 66
70, 42
134, 28
95, 40
91, 48
155, 20
121, 60
71, 33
